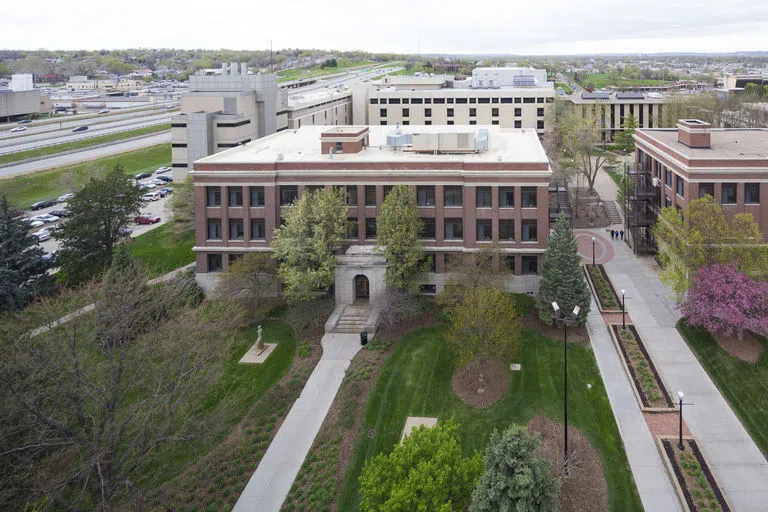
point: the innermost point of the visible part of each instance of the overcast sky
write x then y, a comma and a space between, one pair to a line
444, 26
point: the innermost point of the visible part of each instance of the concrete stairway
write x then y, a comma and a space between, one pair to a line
353, 319
613, 212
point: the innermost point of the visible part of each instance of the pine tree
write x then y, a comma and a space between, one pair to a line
562, 279
23, 272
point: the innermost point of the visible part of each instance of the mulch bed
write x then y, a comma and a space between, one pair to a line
749, 349
605, 294
532, 321
481, 383
665, 423
700, 490
585, 488
645, 377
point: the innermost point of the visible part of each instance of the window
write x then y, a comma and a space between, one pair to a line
529, 231
429, 101
529, 100
428, 288
438, 100
461, 100
539, 100
416, 101
406, 112
539, 125
706, 189
483, 100
472, 112
370, 228
530, 264
449, 122
214, 229
751, 193
729, 193
506, 197
510, 263
668, 178
214, 196
374, 101
449, 112
472, 121
518, 112
427, 112
236, 229
235, 196
382, 112
311, 189
258, 231
351, 195
484, 230
370, 195
483, 197
473, 100
454, 229
528, 197
214, 263
394, 101
518, 124
495, 112
387, 190
425, 195
232, 258
452, 195
506, 100
667, 201
680, 186
495, 121
288, 194
540, 112
430, 262
429, 228
406, 123
257, 196
339, 147
517, 100
352, 228
383, 123
507, 230
405, 101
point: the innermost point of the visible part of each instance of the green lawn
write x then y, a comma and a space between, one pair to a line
161, 250
82, 144
26, 189
566, 88
416, 381
744, 385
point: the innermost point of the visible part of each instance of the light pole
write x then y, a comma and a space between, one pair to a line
593, 251
623, 308
680, 438
561, 317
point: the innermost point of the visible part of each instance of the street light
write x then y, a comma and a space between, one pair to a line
593, 251
560, 317
680, 439
623, 308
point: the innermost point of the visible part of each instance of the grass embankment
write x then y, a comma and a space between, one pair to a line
564, 86
82, 144
26, 189
416, 381
744, 385
287, 75
161, 250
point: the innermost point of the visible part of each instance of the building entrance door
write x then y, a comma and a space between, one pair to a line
361, 288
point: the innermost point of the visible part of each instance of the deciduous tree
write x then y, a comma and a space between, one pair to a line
398, 231
183, 207
250, 279
581, 139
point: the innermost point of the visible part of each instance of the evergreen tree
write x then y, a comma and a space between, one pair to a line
514, 478
625, 137
399, 229
562, 279
23, 273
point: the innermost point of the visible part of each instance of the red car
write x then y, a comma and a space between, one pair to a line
147, 219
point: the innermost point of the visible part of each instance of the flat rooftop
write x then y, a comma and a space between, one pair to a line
730, 143
303, 145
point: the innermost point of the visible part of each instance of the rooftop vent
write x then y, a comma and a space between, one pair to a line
694, 133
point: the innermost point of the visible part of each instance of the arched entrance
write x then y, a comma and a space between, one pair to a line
362, 289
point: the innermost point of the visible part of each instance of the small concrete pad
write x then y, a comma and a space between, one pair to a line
256, 356
515, 367
414, 422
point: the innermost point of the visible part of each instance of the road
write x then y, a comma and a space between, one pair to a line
16, 144
85, 155
356, 76
573, 85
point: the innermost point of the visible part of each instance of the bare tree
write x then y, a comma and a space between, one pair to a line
581, 140
251, 279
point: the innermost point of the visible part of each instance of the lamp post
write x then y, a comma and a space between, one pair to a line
680, 438
623, 308
593, 251
561, 317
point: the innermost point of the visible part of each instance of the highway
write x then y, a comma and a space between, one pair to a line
84, 155
16, 144
355, 76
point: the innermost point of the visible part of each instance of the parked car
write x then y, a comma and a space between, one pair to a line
125, 232
19, 129
142, 175
146, 186
33, 223
80, 129
15, 214
24, 121
65, 197
50, 257
151, 196
147, 219
42, 204
166, 179
61, 212
161, 170
104, 111
158, 182
166, 190
42, 235
46, 218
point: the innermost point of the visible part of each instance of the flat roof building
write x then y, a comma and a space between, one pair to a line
611, 109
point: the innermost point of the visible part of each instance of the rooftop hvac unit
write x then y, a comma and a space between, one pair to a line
481, 140
656, 182
398, 138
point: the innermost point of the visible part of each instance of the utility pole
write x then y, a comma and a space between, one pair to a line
271, 68
418, 52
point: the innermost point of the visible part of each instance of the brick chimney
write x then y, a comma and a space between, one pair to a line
344, 139
694, 133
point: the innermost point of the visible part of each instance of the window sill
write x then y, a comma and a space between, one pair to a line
485, 207
529, 207
530, 241
729, 204
751, 204
214, 240
453, 206
425, 206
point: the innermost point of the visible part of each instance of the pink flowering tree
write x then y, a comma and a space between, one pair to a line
724, 301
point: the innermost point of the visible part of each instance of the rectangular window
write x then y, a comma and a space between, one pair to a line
507, 230
729, 193
494, 100
352, 228
510, 263
214, 229
751, 193
461, 100
472, 112
235, 196
406, 123
339, 147
370, 195
425, 195
405, 101
214, 263
539, 125
528, 197
449, 100
495, 112
473, 100
530, 264
495, 121
506, 197
430, 262
382, 112
517, 100
529, 100
288, 194
449, 112
427, 112
668, 178
529, 231
539, 100
236, 229
472, 121
258, 230
233, 257
518, 112
406, 112
314, 188
439, 101
351, 195
257, 196
506, 100
213, 195
428, 101
483, 100
387, 190
449, 123
374, 101
680, 184
454, 229
429, 232
706, 189
484, 230
394, 101
483, 197
452, 196
370, 228
416, 101
383, 123
540, 112
518, 123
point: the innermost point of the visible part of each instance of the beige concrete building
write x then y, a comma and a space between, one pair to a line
610, 109
105, 85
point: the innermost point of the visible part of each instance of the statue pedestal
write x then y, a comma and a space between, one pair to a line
255, 355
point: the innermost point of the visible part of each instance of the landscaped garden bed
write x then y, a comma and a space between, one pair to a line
694, 482
649, 388
605, 296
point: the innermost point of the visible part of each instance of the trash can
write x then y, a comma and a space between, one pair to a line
363, 338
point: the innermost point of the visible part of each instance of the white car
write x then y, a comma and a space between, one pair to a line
161, 170
65, 197
42, 235
34, 223
158, 182
104, 111
46, 218
151, 196
19, 129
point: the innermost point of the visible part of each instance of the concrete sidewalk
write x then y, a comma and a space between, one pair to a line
738, 464
653, 484
269, 485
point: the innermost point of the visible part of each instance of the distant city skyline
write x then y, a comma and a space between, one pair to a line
522, 27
